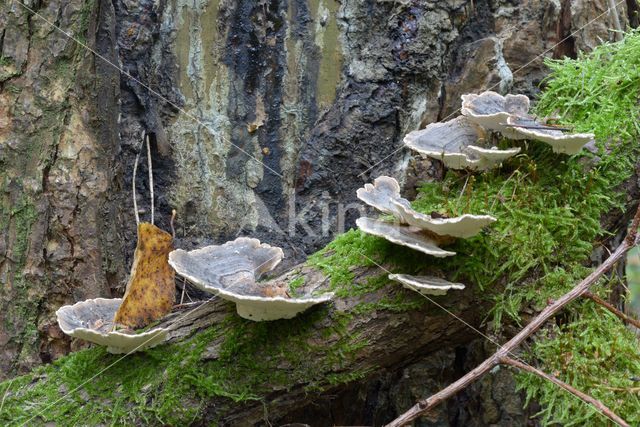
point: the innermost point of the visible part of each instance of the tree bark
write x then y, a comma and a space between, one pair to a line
58, 151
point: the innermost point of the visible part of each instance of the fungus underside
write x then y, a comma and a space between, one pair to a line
548, 208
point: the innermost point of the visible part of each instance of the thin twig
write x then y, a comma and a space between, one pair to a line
187, 305
173, 218
622, 316
425, 405
6, 393
133, 185
617, 35
150, 175
464, 187
585, 397
626, 390
184, 286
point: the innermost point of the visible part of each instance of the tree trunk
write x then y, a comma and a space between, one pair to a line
59, 146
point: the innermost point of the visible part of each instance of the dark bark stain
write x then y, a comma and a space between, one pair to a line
255, 59
633, 13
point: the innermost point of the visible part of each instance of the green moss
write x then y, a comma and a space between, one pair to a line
548, 208
595, 353
170, 384
295, 285
17, 216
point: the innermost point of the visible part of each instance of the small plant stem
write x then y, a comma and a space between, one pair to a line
585, 397
133, 189
622, 316
150, 175
579, 290
613, 9
173, 218
184, 286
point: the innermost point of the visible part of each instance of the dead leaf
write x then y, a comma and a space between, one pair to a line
151, 290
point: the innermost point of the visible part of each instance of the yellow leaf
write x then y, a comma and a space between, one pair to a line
150, 291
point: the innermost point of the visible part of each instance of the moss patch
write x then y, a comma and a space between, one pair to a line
171, 384
595, 353
548, 208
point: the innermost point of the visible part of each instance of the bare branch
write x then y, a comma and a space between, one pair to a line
622, 316
580, 289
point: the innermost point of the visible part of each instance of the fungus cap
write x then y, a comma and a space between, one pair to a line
404, 235
232, 271
384, 195
92, 320
560, 142
452, 142
491, 110
464, 226
380, 194
426, 285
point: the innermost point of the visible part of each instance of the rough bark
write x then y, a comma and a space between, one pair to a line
58, 150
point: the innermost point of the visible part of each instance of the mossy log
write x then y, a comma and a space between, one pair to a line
219, 368
345, 341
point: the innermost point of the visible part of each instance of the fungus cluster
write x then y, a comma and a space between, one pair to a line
149, 295
460, 143
415, 230
231, 271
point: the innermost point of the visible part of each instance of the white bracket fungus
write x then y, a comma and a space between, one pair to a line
426, 285
232, 270
384, 195
491, 110
455, 144
509, 115
560, 142
405, 235
92, 320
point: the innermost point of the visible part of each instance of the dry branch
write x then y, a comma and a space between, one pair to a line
585, 397
503, 352
622, 316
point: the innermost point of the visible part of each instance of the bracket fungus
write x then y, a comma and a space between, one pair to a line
149, 295
455, 143
510, 116
384, 195
426, 285
93, 320
560, 142
405, 235
491, 110
232, 271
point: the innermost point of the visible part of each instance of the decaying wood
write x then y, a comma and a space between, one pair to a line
504, 351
